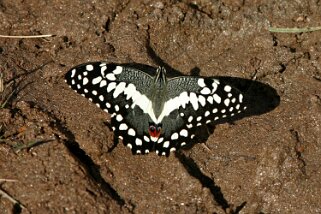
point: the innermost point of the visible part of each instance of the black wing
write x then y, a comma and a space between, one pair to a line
122, 92
193, 102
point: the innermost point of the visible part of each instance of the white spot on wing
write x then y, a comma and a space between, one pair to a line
183, 133
183, 99
118, 70
174, 136
97, 80
201, 82
119, 118
160, 140
241, 98
210, 99
119, 89
227, 101
193, 100
227, 88
101, 97
154, 139
102, 70
111, 77
214, 84
111, 86
138, 142
146, 138
166, 144
85, 81
89, 67
123, 126
217, 98
103, 83
205, 91
207, 113
202, 100
131, 132
129, 146
73, 72
190, 118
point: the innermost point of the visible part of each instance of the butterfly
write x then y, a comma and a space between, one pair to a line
151, 111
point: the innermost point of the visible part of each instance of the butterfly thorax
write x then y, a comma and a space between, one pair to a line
158, 92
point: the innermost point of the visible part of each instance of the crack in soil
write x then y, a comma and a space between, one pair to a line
299, 149
93, 170
193, 169
81, 156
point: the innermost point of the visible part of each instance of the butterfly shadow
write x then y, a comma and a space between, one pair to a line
260, 98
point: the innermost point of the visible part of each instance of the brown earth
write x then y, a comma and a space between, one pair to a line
56, 145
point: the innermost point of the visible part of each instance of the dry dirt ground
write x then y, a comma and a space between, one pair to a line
61, 156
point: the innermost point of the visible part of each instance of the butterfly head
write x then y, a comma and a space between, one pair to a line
160, 78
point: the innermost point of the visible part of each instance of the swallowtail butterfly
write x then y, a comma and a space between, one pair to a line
152, 112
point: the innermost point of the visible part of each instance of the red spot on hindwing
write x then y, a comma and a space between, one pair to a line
154, 131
